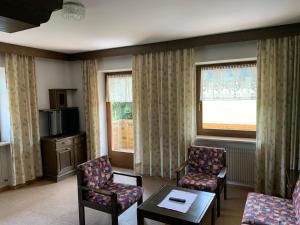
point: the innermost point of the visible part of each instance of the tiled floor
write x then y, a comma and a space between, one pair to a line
47, 203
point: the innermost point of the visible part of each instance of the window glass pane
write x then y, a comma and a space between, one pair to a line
229, 115
122, 126
228, 95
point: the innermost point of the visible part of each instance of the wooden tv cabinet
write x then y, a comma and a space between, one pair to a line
62, 154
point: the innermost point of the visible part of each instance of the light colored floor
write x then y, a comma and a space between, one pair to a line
47, 203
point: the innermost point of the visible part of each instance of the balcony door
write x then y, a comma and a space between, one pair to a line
119, 119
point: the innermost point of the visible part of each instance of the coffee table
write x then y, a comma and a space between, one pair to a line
201, 212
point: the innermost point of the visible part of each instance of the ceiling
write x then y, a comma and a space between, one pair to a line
117, 23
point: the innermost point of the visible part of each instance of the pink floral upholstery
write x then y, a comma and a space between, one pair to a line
204, 164
208, 160
263, 209
127, 195
296, 201
199, 181
97, 173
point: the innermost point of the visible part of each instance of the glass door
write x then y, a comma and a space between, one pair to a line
119, 119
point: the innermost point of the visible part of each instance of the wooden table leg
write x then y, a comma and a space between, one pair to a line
213, 214
140, 218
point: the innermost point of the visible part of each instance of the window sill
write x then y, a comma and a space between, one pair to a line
3, 144
227, 139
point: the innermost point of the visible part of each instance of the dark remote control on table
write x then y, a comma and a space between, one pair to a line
177, 199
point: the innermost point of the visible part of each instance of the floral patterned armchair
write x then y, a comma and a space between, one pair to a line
97, 190
206, 171
271, 210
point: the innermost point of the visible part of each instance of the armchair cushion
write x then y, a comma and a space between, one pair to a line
127, 195
208, 160
199, 181
268, 210
97, 173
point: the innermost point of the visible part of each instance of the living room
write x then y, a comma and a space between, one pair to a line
149, 112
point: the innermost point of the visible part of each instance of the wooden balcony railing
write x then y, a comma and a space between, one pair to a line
122, 135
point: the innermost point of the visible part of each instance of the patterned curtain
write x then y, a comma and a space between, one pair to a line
25, 137
163, 110
91, 105
278, 112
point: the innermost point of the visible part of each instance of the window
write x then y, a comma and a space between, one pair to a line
4, 109
119, 112
226, 99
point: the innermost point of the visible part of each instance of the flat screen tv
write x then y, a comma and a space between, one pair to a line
63, 121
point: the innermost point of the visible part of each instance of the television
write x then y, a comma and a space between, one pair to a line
63, 121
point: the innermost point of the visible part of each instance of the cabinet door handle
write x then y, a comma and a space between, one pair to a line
65, 150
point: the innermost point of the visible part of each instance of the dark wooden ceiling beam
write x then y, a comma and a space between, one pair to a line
17, 15
237, 36
22, 50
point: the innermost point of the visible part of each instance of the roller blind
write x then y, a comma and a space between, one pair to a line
229, 82
119, 88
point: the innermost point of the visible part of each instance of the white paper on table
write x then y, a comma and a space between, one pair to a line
178, 206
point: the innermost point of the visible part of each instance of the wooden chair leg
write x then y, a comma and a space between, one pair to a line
140, 218
114, 219
225, 188
81, 215
140, 201
218, 201
177, 178
114, 207
213, 213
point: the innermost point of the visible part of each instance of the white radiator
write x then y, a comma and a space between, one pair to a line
4, 165
240, 158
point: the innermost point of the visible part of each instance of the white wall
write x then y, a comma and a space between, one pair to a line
76, 82
102, 114
223, 52
116, 63
53, 74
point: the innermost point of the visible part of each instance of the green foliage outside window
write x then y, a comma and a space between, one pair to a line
121, 110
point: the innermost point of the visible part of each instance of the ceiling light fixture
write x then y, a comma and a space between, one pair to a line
73, 10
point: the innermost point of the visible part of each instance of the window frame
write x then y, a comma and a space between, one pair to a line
217, 132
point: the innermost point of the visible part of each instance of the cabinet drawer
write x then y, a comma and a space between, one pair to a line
65, 148
64, 143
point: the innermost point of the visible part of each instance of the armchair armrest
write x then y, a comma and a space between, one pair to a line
178, 171
222, 173
182, 166
139, 179
98, 191
113, 196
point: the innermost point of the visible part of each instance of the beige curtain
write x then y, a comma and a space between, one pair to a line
278, 112
25, 146
91, 105
163, 110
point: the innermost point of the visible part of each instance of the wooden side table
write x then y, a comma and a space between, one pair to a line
292, 177
202, 211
